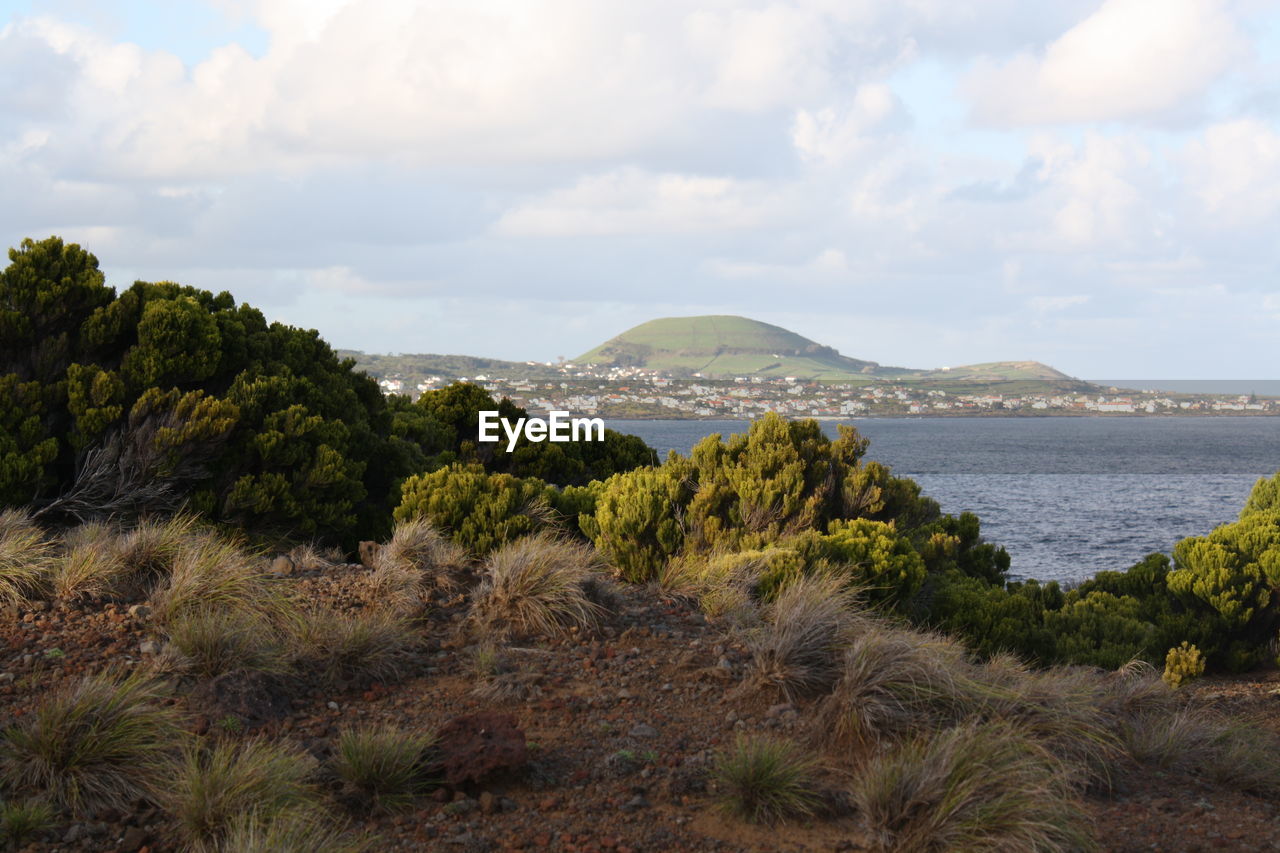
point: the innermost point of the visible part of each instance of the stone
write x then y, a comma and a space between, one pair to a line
149, 647
7, 677
487, 802
251, 696
283, 566
134, 837
139, 611
475, 746
369, 552
643, 730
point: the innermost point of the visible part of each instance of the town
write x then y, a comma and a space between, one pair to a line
622, 392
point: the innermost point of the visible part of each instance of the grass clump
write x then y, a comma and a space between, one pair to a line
212, 572
92, 745
294, 830
382, 769
540, 585
26, 557
346, 648
891, 681
209, 789
20, 823
213, 642
417, 559
148, 551
797, 649
1229, 752
764, 779
90, 565
977, 786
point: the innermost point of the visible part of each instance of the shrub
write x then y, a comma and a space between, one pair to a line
540, 585
797, 649
1182, 664
970, 787
216, 641
764, 779
293, 830
90, 567
480, 511
210, 787
382, 769
636, 525
22, 822
26, 557
359, 647
91, 745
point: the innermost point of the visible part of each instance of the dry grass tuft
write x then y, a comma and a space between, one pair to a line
892, 681
971, 787
212, 642
807, 625
211, 572
540, 585
364, 646
417, 560
210, 788
382, 769
20, 823
1231, 753
148, 551
294, 830
91, 565
764, 780
26, 557
312, 556
92, 745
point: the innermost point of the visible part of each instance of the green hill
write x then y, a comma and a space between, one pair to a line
721, 345
724, 345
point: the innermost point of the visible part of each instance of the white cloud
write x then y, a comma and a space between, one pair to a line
1129, 59
1234, 171
631, 201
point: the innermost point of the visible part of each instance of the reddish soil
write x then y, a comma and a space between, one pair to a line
620, 730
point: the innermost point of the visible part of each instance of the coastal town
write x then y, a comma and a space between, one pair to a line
628, 392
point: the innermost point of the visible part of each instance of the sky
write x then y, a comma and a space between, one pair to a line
1094, 185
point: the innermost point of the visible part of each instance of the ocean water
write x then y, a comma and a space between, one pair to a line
1067, 497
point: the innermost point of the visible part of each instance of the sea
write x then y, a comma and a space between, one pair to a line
1067, 496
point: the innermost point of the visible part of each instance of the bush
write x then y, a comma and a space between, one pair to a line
480, 511
382, 769
1182, 664
26, 557
970, 787
355, 648
797, 649
636, 525
210, 788
94, 744
764, 780
541, 585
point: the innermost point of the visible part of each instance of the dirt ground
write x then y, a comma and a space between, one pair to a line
621, 730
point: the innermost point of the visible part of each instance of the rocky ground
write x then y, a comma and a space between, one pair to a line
620, 730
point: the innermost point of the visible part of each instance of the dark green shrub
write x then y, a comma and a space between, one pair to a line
479, 510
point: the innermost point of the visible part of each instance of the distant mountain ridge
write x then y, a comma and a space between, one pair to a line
721, 345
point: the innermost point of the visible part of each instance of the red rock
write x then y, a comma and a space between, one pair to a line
477, 745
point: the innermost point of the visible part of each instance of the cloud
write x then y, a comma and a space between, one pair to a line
1130, 59
1234, 171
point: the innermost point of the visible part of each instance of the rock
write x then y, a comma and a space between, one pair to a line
149, 647
139, 611
507, 804
369, 552
332, 706
39, 606
282, 566
134, 837
643, 730
7, 677
487, 802
624, 693
475, 746
251, 696
74, 833
779, 710
636, 802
